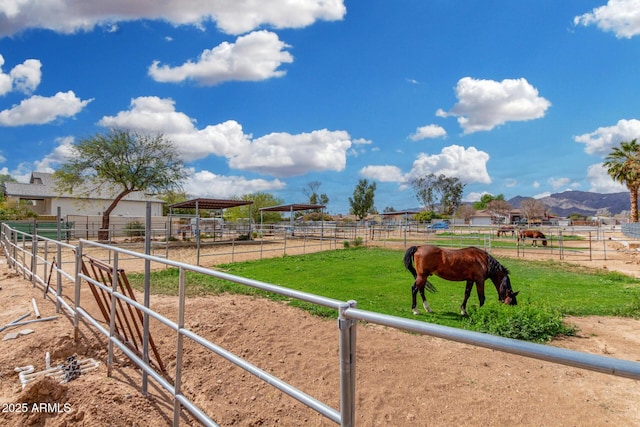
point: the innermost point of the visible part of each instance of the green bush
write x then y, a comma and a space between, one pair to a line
134, 229
527, 323
426, 216
357, 243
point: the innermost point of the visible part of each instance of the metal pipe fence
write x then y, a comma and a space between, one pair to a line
631, 230
242, 241
23, 253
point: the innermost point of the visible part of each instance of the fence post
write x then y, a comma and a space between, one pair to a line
147, 296
59, 262
347, 366
44, 256
112, 314
76, 317
284, 251
34, 257
14, 234
178, 375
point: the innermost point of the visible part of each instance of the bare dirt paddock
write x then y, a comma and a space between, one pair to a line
402, 378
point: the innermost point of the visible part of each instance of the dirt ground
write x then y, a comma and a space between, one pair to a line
402, 378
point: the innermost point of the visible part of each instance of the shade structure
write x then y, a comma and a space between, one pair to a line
292, 207
202, 203
208, 204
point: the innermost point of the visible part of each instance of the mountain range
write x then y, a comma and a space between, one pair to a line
581, 202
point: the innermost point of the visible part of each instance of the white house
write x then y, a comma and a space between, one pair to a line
480, 218
41, 192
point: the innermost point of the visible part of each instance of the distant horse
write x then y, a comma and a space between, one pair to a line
532, 234
506, 229
470, 264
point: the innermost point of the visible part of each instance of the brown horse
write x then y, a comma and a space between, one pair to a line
470, 264
506, 229
532, 234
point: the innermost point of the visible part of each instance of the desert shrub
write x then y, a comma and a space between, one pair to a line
529, 323
134, 229
356, 243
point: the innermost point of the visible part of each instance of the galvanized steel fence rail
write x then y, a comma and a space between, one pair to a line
27, 254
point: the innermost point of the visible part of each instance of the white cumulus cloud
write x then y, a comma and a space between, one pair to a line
485, 104
602, 140
558, 182
38, 110
601, 182
284, 155
208, 184
23, 77
277, 154
153, 115
468, 165
256, 56
429, 131
622, 17
230, 16
383, 173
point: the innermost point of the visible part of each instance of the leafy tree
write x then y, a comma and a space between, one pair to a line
499, 209
172, 197
13, 211
316, 216
577, 216
485, 200
465, 212
426, 216
311, 191
432, 189
425, 187
623, 165
5, 178
389, 209
260, 200
532, 209
451, 189
363, 198
119, 163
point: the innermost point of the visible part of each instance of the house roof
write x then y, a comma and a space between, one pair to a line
210, 204
482, 214
43, 186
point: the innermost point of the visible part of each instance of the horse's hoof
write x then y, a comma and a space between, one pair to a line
415, 312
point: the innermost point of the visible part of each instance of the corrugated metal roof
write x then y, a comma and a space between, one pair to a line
210, 204
292, 207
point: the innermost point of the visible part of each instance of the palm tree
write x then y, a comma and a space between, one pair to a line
623, 164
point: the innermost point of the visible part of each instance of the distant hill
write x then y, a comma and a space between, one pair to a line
582, 202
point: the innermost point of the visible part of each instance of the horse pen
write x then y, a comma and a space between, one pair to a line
401, 378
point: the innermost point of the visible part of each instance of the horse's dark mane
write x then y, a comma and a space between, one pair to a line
494, 267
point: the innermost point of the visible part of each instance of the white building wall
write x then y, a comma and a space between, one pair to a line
97, 207
480, 220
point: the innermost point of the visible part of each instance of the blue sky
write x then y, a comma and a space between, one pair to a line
515, 98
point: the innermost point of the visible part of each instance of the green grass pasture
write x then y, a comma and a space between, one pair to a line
377, 280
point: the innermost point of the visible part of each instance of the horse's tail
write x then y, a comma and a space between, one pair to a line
408, 260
